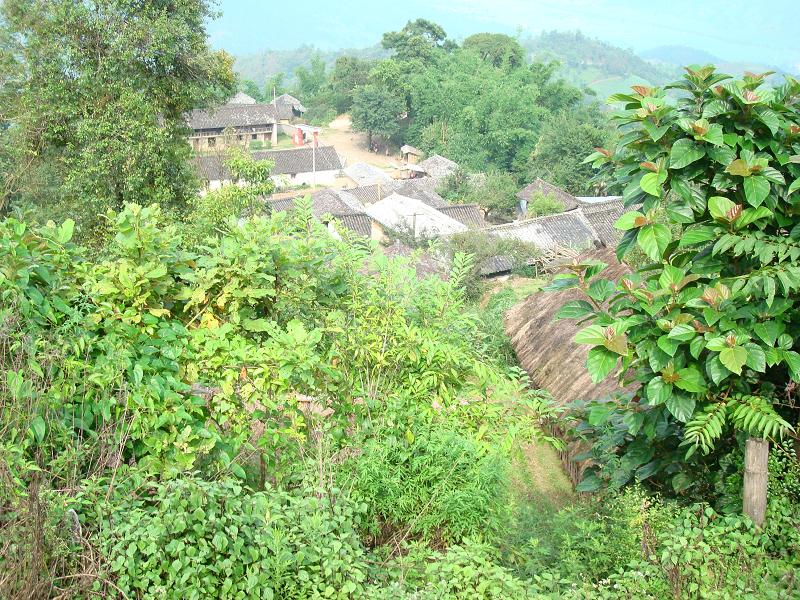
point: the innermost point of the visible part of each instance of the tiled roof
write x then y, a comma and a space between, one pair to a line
301, 160
211, 167
406, 149
286, 105
545, 189
343, 206
370, 194
232, 115
364, 174
602, 215
242, 98
422, 189
401, 212
568, 229
438, 166
468, 214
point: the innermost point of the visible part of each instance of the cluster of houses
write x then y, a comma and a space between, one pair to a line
368, 200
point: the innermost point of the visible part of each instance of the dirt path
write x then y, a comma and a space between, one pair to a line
352, 146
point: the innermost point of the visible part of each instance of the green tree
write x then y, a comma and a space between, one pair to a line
496, 48
275, 86
251, 88
417, 40
349, 72
709, 331
559, 153
376, 111
312, 79
99, 106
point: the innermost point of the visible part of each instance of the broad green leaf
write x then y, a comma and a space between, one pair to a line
720, 207
590, 483
630, 220
691, 380
658, 391
654, 131
733, 358
792, 359
575, 309
670, 346
769, 331
680, 482
682, 333
697, 235
593, 334
681, 407
716, 370
650, 185
39, 428
684, 152
653, 239
600, 363
65, 231
738, 168
794, 186
756, 190
756, 359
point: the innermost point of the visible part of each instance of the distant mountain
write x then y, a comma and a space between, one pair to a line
261, 66
684, 55
585, 61
597, 65
680, 55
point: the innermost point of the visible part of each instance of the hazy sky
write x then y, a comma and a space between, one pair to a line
752, 30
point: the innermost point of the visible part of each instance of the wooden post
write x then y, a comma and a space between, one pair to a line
754, 494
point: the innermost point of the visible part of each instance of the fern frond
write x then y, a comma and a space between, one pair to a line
702, 431
756, 416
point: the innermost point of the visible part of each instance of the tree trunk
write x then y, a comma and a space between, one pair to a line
754, 501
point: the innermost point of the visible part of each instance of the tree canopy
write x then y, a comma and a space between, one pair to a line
98, 108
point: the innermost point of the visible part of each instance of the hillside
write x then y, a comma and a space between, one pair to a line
600, 66
261, 66
586, 62
668, 56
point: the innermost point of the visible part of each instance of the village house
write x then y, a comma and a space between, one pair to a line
411, 155
403, 214
292, 167
336, 207
242, 121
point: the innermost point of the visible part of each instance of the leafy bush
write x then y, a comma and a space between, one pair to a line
196, 539
541, 204
470, 570
519, 256
433, 484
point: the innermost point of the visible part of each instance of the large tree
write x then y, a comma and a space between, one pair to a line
95, 94
376, 111
496, 48
417, 40
559, 153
